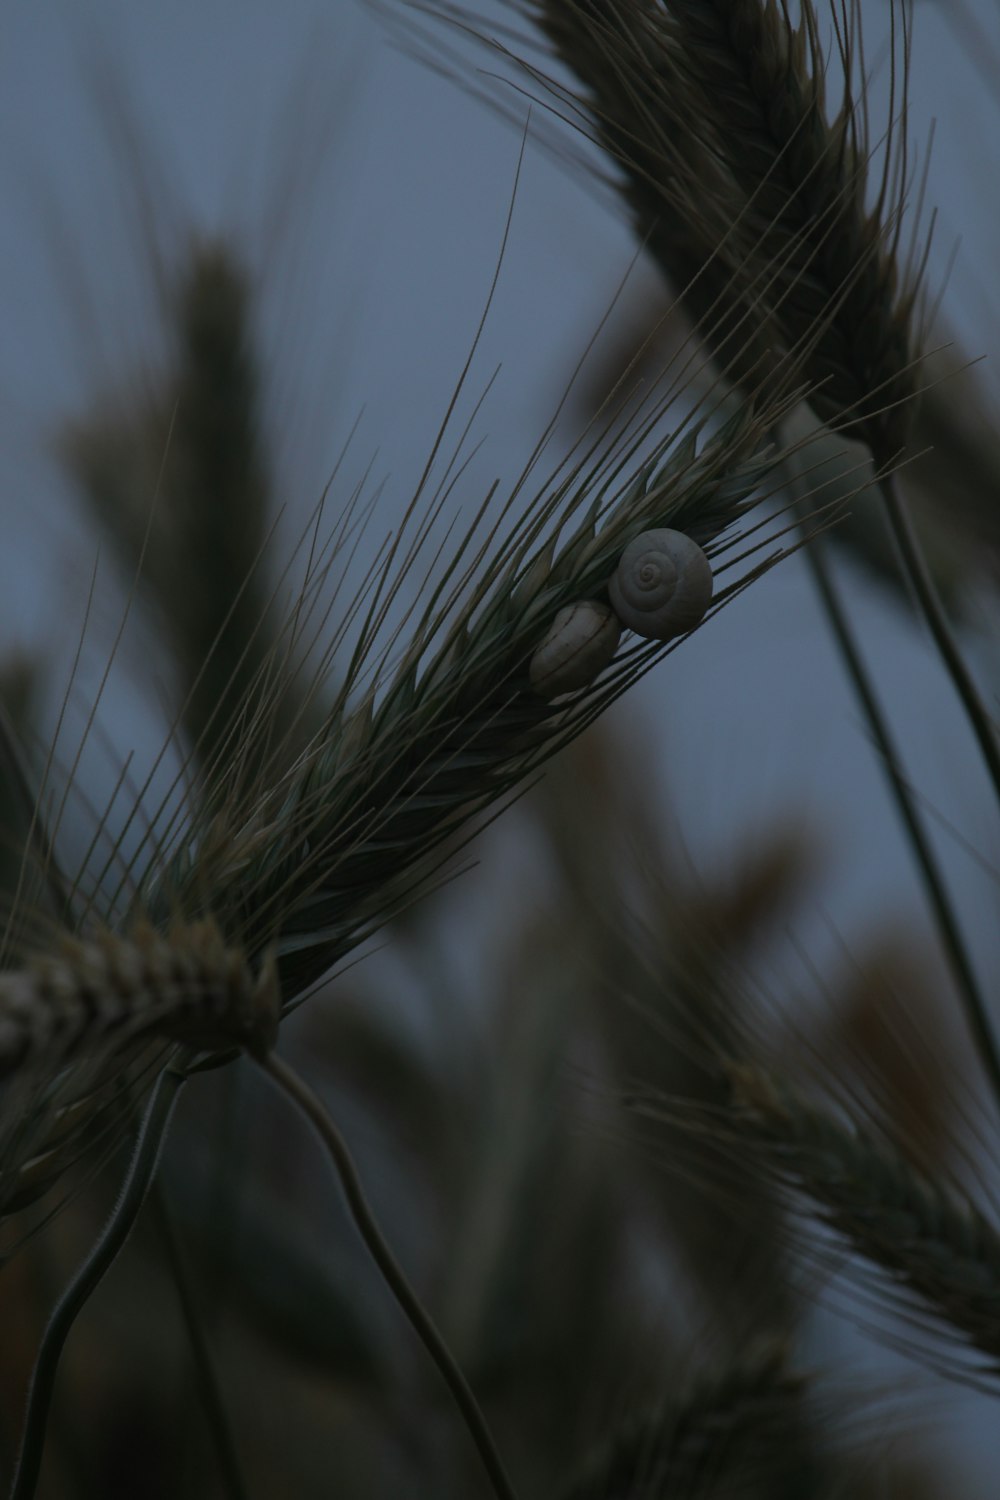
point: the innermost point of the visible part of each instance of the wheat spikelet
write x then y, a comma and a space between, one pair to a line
936, 1248
186, 985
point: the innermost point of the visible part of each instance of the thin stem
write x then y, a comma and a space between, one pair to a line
930, 605
299, 1092
211, 1394
138, 1180
936, 891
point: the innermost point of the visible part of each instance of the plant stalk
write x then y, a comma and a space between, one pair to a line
303, 1097
976, 1010
207, 1379
138, 1181
930, 606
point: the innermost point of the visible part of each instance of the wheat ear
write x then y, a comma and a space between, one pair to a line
759, 82
753, 200
683, 198
727, 1426
76, 1026
456, 725
935, 1247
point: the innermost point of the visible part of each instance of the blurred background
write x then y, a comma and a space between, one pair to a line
259, 241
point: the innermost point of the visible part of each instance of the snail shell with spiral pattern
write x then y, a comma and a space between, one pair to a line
662, 585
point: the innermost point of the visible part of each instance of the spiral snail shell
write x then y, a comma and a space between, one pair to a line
662, 585
580, 642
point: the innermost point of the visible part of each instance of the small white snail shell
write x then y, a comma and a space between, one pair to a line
580, 642
663, 584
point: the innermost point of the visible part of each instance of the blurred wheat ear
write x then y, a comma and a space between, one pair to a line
734, 1432
178, 480
939, 1252
756, 202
